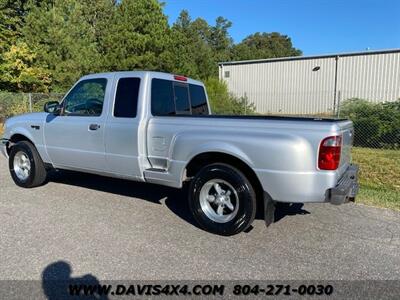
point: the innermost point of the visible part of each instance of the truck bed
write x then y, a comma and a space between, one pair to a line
258, 117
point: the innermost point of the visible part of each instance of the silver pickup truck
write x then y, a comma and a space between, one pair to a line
156, 127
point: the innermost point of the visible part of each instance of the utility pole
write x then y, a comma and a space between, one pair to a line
335, 87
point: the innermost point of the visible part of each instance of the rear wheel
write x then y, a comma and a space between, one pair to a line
26, 167
222, 200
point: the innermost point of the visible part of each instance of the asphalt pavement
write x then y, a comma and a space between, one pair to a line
116, 229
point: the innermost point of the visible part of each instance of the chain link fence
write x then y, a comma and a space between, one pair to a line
377, 124
12, 104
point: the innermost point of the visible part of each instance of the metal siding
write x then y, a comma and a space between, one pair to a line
291, 87
286, 87
372, 77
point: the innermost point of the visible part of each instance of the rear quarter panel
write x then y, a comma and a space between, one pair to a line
283, 154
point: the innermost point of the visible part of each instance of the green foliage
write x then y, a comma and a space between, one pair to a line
19, 73
12, 104
375, 124
63, 39
265, 45
223, 102
49, 44
137, 37
39, 100
192, 55
197, 47
220, 40
12, 13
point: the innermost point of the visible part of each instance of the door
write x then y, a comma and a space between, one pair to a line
122, 129
75, 138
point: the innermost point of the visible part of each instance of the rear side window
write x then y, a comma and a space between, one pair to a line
182, 102
162, 98
126, 98
170, 98
198, 100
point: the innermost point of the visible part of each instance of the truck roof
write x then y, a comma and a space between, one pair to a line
152, 74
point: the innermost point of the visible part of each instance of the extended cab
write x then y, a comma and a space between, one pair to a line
156, 127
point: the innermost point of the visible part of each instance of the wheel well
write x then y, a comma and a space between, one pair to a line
15, 139
201, 160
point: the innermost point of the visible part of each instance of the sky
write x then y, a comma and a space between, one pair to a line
315, 26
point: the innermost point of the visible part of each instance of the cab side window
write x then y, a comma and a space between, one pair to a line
86, 98
126, 98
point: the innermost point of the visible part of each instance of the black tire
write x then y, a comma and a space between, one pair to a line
245, 194
37, 175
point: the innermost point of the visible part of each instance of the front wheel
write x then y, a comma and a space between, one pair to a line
222, 200
26, 167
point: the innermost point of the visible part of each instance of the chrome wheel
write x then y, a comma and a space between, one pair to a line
219, 201
22, 165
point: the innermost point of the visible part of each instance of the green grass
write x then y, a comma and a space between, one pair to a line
379, 177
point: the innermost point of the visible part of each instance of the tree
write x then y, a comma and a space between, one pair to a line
181, 46
192, 54
265, 45
98, 15
223, 102
220, 40
137, 37
64, 40
197, 46
19, 73
12, 15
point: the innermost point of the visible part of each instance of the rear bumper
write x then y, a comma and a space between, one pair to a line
346, 188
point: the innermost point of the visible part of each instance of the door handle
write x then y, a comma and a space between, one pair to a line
94, 126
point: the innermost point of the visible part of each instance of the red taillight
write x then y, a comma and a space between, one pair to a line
329, 153
180, 78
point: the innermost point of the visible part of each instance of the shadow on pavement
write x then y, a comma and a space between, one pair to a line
282, 210
175, 199
57, 280
289, 209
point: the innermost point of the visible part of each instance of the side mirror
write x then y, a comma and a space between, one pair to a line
52, 107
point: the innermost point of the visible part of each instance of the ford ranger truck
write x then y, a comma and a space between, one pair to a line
158, 128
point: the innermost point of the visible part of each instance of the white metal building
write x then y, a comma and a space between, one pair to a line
314, 84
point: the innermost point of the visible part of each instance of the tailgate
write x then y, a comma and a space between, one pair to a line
347, 132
